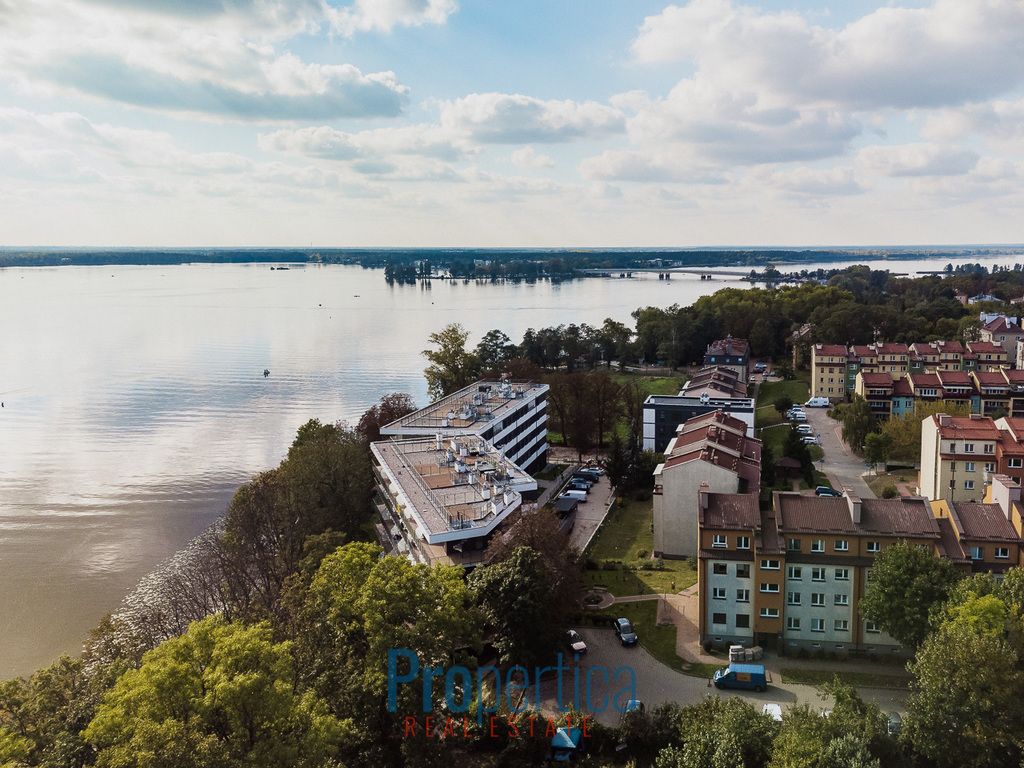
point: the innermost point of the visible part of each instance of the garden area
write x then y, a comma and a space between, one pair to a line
619, 558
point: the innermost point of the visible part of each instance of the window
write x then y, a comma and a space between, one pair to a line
720, 541
718, 618
1015, 463
766, 587
842, 545
975, 553
793, 623
818, 545
817, 625
720, 569
1002, 552
769, 613
795, 572
743, 571
841, 598
742, 542
793, 598
968, 485
968, 447
990, 467
793, 545
870, 626
968, 466
817, 599
841, 625
989, 448
874, 546
769, 565
742, 595
742, 621
718, 593
842, 574
817, 574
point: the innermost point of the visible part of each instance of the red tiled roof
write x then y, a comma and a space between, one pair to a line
862, 350
949, 347
902, 387
991, 378
1001, 325
982, 521
830, 350
955, 378
960, 427
892, 348
925, 380
906, 516
872, 379
729, 346
813, 514
731, 510
985, 347
948, 541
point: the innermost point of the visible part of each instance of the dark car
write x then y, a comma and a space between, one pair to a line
575, 643
824, 490
624, 629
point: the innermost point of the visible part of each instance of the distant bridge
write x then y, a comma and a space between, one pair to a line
710, 271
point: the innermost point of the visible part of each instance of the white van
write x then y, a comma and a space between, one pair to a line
817, 402
578, 495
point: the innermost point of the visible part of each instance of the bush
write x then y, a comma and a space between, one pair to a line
890, 492
641, 554
591, 564
611, 565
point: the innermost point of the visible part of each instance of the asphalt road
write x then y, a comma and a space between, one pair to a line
842, 465
591, 513
656, 683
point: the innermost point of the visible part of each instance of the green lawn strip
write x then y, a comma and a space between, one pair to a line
660, 642
551, 471
770, 391
878, 482
857, 679
653, 385
625, 542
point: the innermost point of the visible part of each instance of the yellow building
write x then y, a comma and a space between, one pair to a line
828, 371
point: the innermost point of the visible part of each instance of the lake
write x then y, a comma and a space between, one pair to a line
134, 403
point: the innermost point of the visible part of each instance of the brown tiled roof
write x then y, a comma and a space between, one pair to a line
950, 347
982, 521
902, 387
985, 347
1010, 445
1000, 325
924, 348
729, 346
892, 348
876, 379
955, 378
948, 541
731, 510
991, 378
925, 380
862, 350
830, 350
1014, 377
1015, 426
716, 378
813, 514
906, 516
961, 427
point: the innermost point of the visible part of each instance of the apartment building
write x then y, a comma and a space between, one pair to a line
731, 353
441, 499
958, 454
988, 393
792, 576
828, 371
1004, 331
714, 388
710, 451
511, 416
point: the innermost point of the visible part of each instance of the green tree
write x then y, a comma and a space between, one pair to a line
965, 706
617, 463
451, 365
858, 422
494, 350
876, 448
904, 431
721, 733
222, 694
907, 582
390, 408
783, 403
522, 606
796, 448
767, 466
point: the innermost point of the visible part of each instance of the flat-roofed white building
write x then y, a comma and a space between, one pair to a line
511, 416
442, 498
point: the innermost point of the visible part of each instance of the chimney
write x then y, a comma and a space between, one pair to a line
944, 420
702, 495
977, 417
853, 502
1005, 493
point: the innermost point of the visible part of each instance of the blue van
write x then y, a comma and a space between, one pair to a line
744, 677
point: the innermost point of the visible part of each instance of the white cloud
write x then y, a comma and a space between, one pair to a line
507, 118
332, 144
668, 166
385, 15
813, 182
528, 157
918, 160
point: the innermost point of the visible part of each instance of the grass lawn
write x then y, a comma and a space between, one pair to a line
626, 537
660, 642
551, 471
654, 385
857, 679
768, 392
878, 482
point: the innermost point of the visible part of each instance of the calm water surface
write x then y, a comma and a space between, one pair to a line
134, 404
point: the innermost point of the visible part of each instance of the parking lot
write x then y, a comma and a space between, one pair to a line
656, 683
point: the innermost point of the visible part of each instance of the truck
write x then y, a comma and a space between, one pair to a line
744, 677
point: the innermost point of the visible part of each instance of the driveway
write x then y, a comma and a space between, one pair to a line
656, 683
842, 465
591, 513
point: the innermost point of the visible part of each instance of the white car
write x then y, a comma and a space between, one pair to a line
805, 429
798, 417
774, 711
810, 440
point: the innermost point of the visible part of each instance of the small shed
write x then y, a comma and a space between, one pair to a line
788, 466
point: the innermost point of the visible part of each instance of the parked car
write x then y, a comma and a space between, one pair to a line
570, 494
624, 629
810, 440
774, 711
824, 490
578, 485
798, 417
745, 677
760, 367
575, 642
590, 477
817, 402
805, 429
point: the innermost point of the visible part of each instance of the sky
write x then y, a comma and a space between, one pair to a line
556, 123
